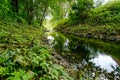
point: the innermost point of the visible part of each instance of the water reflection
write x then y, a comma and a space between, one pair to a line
88, 54
104, 61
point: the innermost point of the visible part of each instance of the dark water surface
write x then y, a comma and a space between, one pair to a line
92, 57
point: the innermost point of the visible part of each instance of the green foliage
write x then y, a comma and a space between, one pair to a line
84, 12
24, 57
81, 10
6, 12
20, 74
4, 9
107, 14
31, 11
3, 36
59, 9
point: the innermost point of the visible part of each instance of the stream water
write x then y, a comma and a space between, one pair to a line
90, 57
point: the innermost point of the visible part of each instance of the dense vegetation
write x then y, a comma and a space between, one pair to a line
88, 20
107, 14
31, 11
85, 11
24, 54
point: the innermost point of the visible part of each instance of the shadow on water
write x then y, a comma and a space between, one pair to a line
90, 56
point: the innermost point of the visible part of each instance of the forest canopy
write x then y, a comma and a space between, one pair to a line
79, 11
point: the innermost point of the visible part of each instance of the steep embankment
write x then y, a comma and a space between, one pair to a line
24, 55
103, 22
104, 32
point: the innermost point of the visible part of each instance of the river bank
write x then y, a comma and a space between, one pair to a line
103, 32
25, 55
84, 57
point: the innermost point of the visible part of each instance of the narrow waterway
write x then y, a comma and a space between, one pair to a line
91, 57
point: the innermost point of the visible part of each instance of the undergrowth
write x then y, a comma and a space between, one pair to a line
23, 55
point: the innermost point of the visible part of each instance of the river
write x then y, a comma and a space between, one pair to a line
91, 57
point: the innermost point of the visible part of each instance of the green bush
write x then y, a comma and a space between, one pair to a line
81, 11
106, 14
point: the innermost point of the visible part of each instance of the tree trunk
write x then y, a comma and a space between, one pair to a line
43, 16
30, 10
14, 4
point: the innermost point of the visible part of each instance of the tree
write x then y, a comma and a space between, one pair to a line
33, 10
45, 7
40, 10
81, 10
30, 10
15, 7
98, 3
